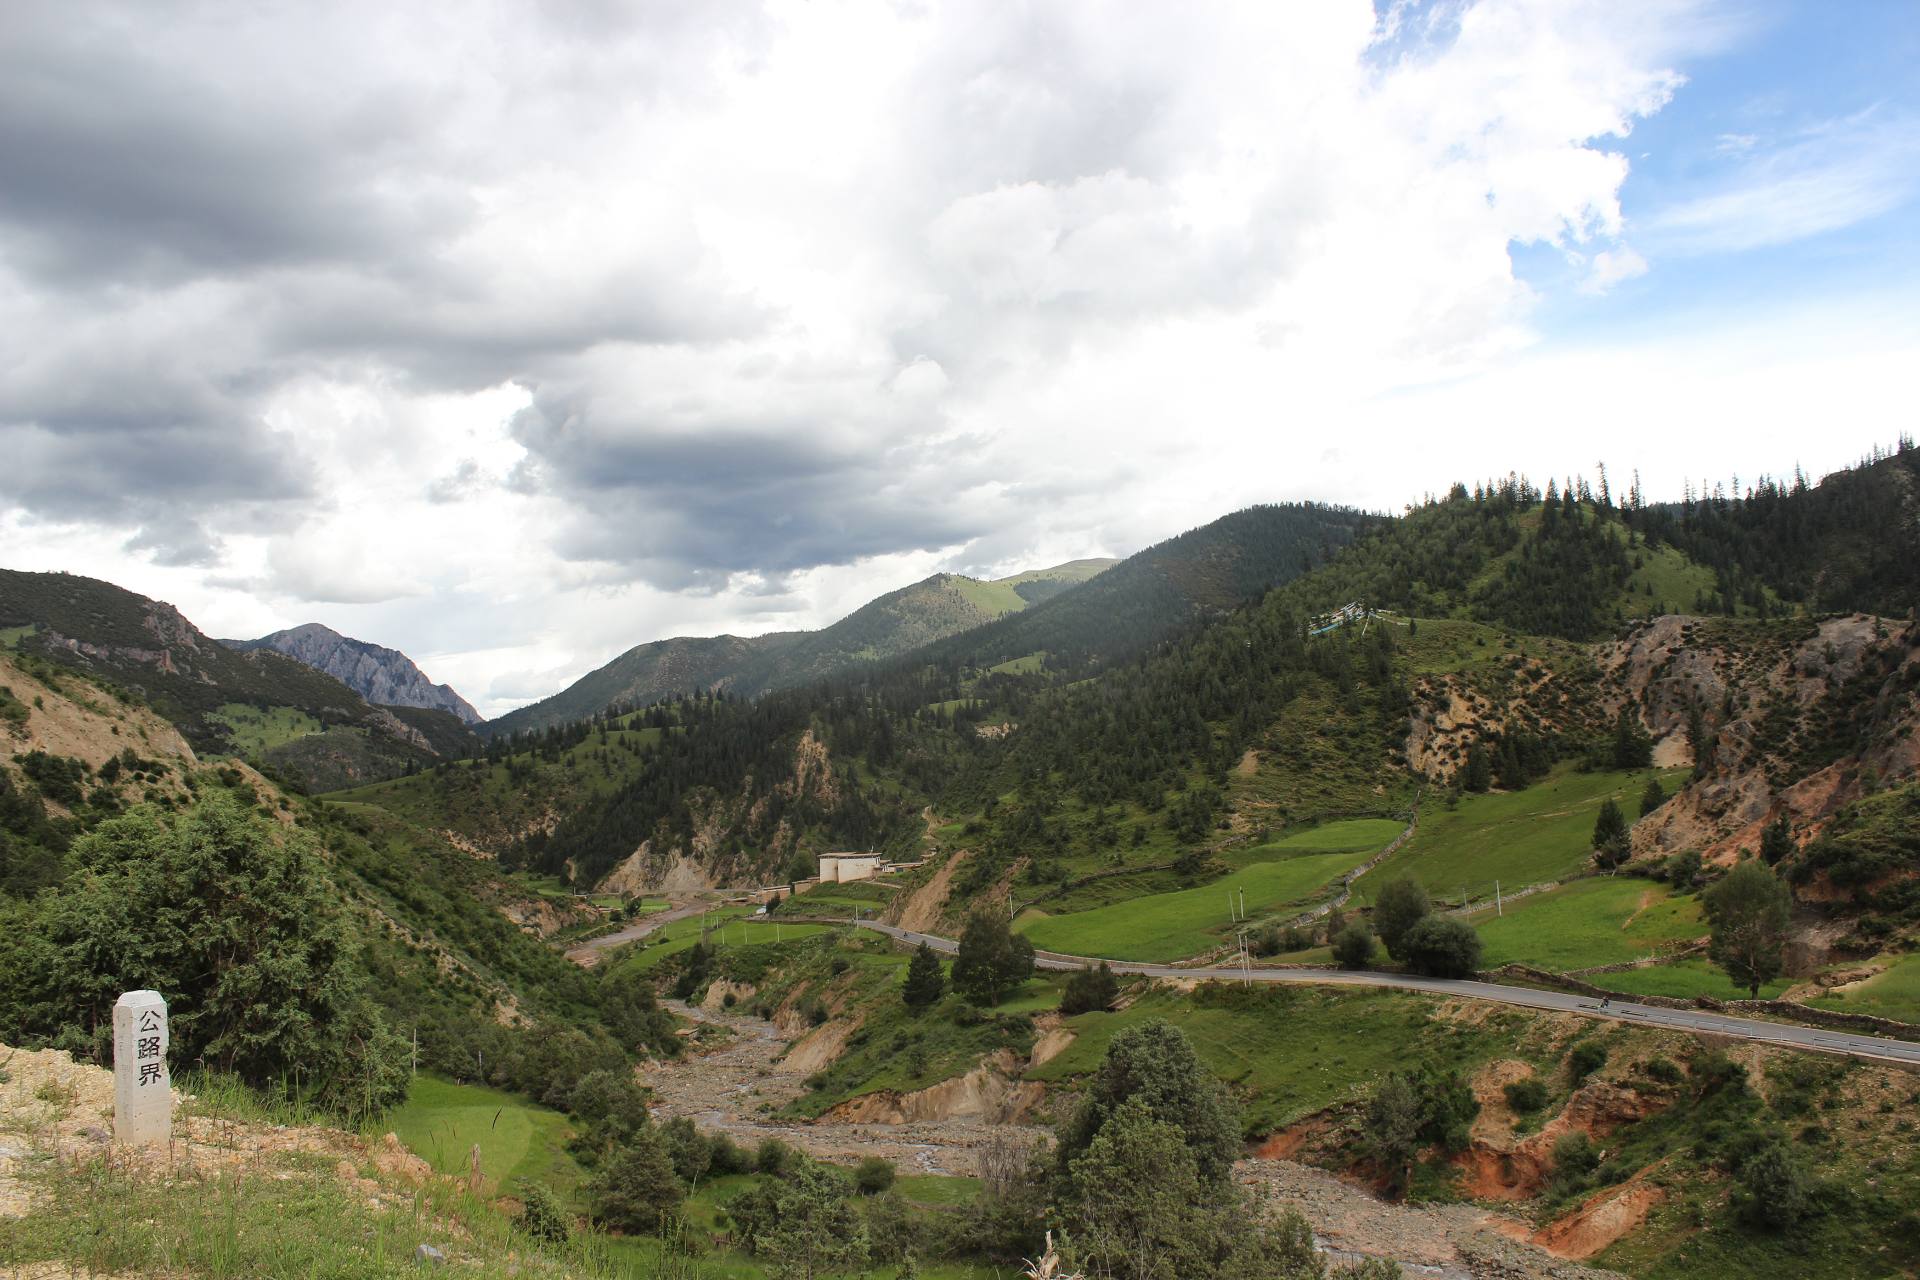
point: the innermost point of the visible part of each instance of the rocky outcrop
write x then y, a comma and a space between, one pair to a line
382, 676
988, 1094
1797, 722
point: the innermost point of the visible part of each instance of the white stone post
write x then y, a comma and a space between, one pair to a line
142, 1090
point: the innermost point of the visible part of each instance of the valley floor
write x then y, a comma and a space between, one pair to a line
736, 1088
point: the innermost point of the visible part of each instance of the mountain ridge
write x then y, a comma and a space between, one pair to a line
260, 704
384, 676
888, 625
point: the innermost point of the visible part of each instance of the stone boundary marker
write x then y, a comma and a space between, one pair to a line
142, 1090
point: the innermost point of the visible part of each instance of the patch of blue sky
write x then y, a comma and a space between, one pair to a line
1786, 167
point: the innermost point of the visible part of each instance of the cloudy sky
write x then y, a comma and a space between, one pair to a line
512, 335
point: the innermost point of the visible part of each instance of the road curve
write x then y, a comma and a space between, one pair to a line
1782, 1034
587, 954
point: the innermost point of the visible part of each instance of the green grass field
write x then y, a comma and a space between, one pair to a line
1439, 646
1171, 926
665, 943
1666, 577
1519, 838
920, 1188
1682, 980
441, 1121
1290, 1051
1894, 994
255, 732
991, 598
1348, 835
1604, 920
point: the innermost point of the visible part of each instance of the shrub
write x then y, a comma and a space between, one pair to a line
727, 1156
1090, 989
1353, 949
1663, 1070
541, 1215
1527, 1096
1441, 947
873, 1175
774, 1157
1574, 1161
637, 1190
1401, 905
1682, 870
1587, 1057
1776, 1190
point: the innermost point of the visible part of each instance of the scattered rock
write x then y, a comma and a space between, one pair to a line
430, 1256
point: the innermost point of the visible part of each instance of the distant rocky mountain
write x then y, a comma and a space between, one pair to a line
259, 703
383, 676
893, 624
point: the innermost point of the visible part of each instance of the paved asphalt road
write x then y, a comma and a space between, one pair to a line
587, 954
1782, 1034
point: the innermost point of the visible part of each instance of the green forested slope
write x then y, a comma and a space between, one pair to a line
895, 623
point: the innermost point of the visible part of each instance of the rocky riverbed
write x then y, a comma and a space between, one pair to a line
736, 1089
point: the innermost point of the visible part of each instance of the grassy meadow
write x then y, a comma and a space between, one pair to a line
1172, 926
1893, 994
254, 732
1603, 920
442, 1121
1682, 980
1290, 1051
1518, 838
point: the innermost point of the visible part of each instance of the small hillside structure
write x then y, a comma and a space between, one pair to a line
839, 868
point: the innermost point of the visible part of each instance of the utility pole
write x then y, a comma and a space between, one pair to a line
1499, 908
1243, 904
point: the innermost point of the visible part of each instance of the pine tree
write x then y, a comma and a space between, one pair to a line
1610, 846
1776, 841
1477, 774
925, 983
1632, 748
1653, 797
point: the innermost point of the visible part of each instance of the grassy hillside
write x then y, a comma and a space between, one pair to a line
496, 799
886, 627
442, 1121
1173, 926
1590, 922
1532, 836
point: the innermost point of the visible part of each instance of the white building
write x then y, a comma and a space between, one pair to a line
839, 868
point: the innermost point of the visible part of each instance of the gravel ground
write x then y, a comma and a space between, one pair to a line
1450, 1242
733, 1089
